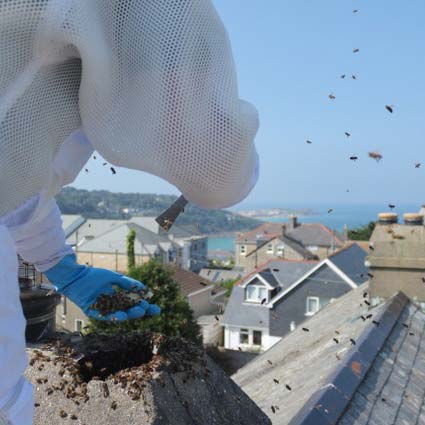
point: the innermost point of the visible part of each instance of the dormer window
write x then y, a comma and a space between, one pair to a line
256, 293
270, 248
243, 249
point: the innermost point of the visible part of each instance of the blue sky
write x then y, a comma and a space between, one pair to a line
290, 56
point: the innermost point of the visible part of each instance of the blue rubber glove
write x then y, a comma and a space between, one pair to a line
82, 285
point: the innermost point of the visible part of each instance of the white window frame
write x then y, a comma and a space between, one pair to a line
256, 299
243, 331
242, 250
270, 248
75, 325
307, 311
281, 250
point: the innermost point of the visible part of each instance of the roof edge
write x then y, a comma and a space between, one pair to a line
327, 404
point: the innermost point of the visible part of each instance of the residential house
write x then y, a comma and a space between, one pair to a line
191, 246
281, 295
87, 229
109, 250
204, 298
291, 240
361, 359
281, 246
193, 254
202, 294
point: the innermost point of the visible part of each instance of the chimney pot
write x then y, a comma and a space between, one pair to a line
413, 219
388, 218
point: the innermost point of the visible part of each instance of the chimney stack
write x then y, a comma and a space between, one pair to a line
397, 258
293, 222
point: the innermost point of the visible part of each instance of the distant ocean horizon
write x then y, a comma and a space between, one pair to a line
353, 216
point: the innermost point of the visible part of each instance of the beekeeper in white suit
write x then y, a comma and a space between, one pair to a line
151, 85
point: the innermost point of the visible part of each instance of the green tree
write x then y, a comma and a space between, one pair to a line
176, 318
228, 285
131, 259
362, 233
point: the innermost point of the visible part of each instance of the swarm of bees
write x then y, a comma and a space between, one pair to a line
170, 355
119, 301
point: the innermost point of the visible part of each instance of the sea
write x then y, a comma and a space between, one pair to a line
352, 215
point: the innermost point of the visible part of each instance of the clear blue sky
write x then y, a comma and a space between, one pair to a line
290, 56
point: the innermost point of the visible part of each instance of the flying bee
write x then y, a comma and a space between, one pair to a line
332, 96
376, 156
389, 108
354, 158
356, 50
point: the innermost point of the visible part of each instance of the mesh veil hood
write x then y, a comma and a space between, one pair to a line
151, 83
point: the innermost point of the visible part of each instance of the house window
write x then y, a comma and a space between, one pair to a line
292, 326
312, 306
244, 336
79, 325
256, 293
270, 248
281, 250
256, 337
243, 249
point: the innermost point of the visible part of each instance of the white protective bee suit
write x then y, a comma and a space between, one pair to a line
151, 85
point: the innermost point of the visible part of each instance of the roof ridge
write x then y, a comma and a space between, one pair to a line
332, 232
263, 265
344, 248
266, 223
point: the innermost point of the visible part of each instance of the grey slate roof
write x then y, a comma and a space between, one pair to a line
312, 234
239, 314
295, 245
270, 278
178, 230
92, 228
393, 390
281, 273
220, 275
351, 261
306, 234
378, 381
71, 222
304, 360
287, 272
115, 240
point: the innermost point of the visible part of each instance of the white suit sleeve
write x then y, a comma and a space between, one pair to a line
37, 231
36, 226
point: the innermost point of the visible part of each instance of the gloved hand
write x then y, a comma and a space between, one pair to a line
82, 285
